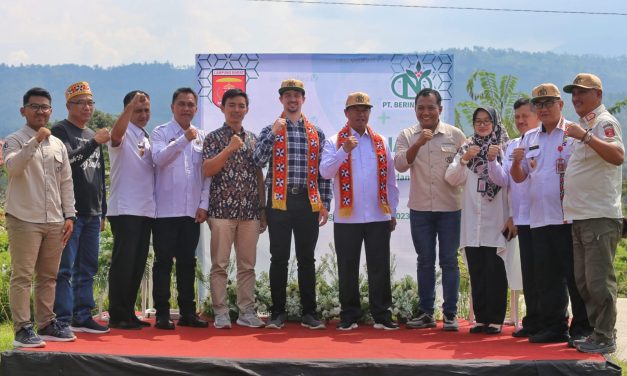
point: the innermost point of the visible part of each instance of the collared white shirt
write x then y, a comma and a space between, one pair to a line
482, 219
545, 206
180, 188
365, 177
132, 175
593, 186
428, 190
40, 188
518, 192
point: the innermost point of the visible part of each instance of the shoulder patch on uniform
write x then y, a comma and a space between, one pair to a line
608, 130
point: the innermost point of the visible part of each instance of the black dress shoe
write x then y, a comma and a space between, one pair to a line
193, 321
491, 330
477, 329
124, 325
142, 323
548, 336
164, 323
522, 333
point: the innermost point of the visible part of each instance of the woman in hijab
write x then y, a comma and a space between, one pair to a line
484, 212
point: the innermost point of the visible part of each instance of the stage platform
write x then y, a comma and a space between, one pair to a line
295, 350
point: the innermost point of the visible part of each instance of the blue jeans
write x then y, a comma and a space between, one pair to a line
425, 227
74, 298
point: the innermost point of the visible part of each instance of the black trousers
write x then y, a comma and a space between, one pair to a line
349, 238
300, 220
175, 238
131, 240
488, 282
554, 273
533, 315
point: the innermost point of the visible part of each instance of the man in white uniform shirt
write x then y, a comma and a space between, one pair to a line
525, 119
592, 201
182, 197
366, 197
131, 208
542, 158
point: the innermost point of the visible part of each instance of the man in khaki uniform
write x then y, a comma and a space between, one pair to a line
592, 200
426, 149
39, 218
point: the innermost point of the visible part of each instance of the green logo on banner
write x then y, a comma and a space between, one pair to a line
407, 85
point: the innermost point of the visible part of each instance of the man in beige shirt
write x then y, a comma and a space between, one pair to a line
426, 150
592, 200
39, 218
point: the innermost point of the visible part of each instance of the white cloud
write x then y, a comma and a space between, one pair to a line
111, 32
18, 57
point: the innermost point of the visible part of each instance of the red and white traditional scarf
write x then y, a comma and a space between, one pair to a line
280, 162
346, 179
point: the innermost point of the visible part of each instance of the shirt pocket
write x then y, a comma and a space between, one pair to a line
196, 157
58, 161
447, 153
531, 156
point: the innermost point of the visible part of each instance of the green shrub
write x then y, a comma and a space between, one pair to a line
620, 266
404, 292
5, 278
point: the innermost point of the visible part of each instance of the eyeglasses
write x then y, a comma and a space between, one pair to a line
39, 107
481, 123
83, 103
545, 104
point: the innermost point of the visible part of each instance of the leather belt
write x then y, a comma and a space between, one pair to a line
296, 190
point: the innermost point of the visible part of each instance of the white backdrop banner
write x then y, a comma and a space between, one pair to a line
391, 80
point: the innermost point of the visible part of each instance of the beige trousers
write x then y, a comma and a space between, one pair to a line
35, 249
226, 233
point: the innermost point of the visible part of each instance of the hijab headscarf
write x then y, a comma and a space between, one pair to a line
479, 163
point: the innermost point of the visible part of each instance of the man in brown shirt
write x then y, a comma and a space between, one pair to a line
426, 149
39, 217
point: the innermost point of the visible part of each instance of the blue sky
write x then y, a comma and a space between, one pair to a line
110, 32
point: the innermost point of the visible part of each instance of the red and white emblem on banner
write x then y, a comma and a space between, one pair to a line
226, 79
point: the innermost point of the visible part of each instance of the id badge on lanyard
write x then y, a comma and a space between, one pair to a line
560, 165
482, 185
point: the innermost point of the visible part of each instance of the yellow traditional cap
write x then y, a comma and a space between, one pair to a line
77, 88
546, 90
292, 84
358, 99
585, 81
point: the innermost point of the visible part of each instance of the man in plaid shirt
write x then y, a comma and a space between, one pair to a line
295, 203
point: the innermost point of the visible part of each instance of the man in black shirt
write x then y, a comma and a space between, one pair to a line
79, 262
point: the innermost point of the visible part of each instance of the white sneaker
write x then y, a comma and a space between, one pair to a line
222, 321
250, 319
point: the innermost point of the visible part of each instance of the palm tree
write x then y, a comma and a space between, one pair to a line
497, 93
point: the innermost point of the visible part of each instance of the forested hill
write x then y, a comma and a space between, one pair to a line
108, 84
159, 80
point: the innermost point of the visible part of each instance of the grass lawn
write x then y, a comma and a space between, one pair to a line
6, 336
622, 364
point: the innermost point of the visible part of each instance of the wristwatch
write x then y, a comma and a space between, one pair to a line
73, 218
